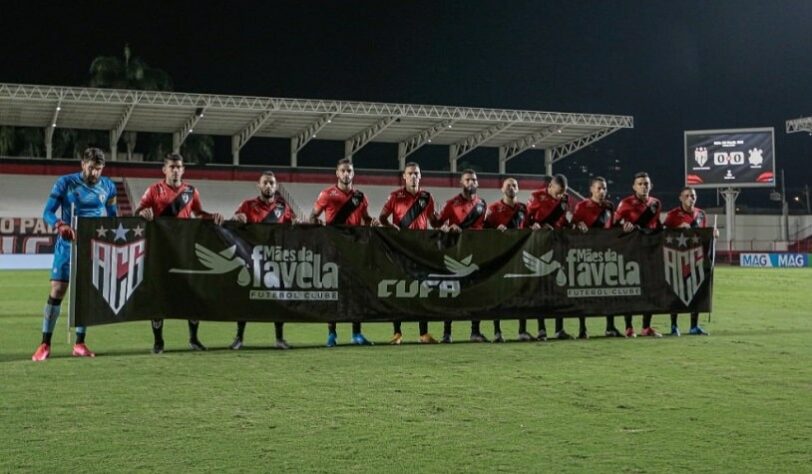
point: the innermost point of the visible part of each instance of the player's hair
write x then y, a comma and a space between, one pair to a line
641, 174
173, 157
411, 164
267, 173
561, 180
687, 188
510, 177
93, 154
597, 178
344, 161
467, 171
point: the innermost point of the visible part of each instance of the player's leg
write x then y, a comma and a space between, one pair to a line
194, 342
237, 344
358, 337
157, 336
542, 334
523, 334
281, 343
560, 333
611, 330
696, 329
50, 315
582, 334
476, 332
332, 336
497, 331
647, 329
446, 333
397, 333
674, 325
629, 328
425, 336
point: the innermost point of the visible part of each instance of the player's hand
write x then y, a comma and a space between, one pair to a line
455, 228
715, 233
217, 218
65, 231
147, 214
444, 228
685, 225
548, 227
536, 226
628, 227
582, 227
240, 217
375, 222
502, 227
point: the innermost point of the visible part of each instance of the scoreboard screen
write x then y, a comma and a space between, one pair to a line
736, 158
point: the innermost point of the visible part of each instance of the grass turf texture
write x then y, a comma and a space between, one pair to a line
738, 400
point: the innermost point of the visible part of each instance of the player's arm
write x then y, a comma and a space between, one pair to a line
620, 217
439, 220
241, 215
146, 204
110, 206
54, 202
386, 211
368, 220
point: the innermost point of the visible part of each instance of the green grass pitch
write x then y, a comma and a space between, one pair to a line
739, 400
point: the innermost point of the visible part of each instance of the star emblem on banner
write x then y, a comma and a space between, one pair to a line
121, 233
101, 232
695, 239
138, 231
682, 241
669, 240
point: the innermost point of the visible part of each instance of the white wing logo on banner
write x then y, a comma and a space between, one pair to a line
755, 157
218, 263
541, 266
459, 269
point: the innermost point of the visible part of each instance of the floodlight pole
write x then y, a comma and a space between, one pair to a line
730, 195
784, 209
548, 161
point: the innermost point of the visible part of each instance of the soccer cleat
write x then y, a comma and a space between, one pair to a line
331, 339
427, 339
650, 332
542, 335
397, 339
478, 337
42, 352
196, 345
446, 339
158, 347
562, 335
612, 332
630, 332
81, 350
359, 340
236, 345
525, 337
281, 344
583, 335
497, 337
697, 331
675, 331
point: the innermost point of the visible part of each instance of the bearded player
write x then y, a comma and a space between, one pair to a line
85, 194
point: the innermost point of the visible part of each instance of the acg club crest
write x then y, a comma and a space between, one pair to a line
117, 263
684, 265
701, 155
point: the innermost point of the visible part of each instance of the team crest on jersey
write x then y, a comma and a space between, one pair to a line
117, 263
684, 265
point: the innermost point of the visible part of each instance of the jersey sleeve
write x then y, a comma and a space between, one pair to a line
54, 202
387, 208
620, 212
671, 220
243, 207
489, 224
447, 212
321, 201
148, 199
197, 207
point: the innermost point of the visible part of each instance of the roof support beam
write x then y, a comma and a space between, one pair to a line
799, 125
50, 129
512, 150
562, 151
239, 139
413, 143
304, 136
180, 136
115, 132
469, 144
365, 136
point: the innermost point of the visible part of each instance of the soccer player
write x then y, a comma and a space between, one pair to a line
87, 194
547, 209
171, 197
595, 213
641, 212
464, 211
342, 204
269, 208
508, 213
410, 208
687, 216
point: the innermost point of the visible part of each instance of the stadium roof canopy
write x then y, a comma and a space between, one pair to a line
462, 129
799, 125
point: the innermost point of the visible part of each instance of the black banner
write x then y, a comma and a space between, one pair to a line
128, 269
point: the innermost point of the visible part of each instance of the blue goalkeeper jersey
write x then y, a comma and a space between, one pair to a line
71, 191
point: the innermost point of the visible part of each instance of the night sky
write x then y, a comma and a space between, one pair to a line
673, 65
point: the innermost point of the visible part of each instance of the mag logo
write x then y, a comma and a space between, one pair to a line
117, 268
